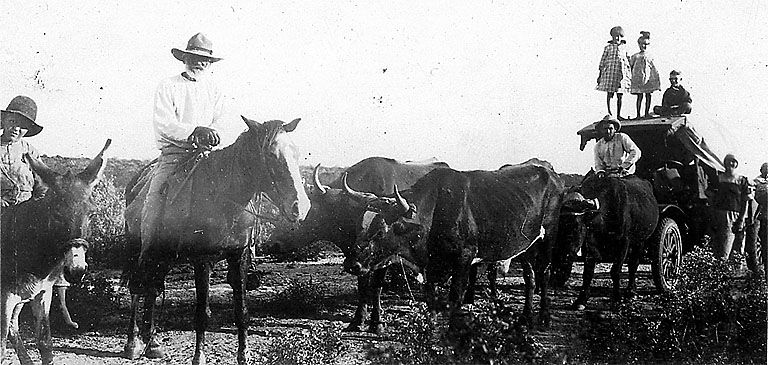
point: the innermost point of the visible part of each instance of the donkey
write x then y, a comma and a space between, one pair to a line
41, 241
220, 184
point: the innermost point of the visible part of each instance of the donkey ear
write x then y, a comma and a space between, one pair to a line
250, 123
46, 174
292, 125
94, 171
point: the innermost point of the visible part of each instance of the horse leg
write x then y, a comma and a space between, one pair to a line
237, 277
202, 310
374, 296
153, 350
134, 346
41, 307
589, 273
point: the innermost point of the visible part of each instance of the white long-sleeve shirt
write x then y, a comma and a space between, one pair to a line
181, 105
620, 151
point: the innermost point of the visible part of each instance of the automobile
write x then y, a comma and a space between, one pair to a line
680, 165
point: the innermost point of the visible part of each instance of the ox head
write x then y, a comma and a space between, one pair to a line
390, 233
280, 177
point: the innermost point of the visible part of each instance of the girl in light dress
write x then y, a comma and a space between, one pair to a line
645, 76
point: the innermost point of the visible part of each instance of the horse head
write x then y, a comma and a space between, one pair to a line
279, 174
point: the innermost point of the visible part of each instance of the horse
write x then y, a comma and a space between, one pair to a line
43, 240
219, 184
618, 226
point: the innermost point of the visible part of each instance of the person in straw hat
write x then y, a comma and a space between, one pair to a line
188, 110
18, 182
615, 153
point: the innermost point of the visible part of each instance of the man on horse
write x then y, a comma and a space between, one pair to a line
187, 112
615, 153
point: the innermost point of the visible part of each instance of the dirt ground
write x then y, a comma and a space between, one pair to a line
103, 341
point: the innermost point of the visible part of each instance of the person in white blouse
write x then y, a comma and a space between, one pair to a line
188, 110
615, 153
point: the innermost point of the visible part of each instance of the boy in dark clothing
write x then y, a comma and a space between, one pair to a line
676, 100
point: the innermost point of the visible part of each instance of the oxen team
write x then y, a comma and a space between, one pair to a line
439, 222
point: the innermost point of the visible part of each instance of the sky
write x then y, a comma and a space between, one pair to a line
477, 84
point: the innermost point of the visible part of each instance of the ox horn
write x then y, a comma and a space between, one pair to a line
316, 176
401, 201
354, 194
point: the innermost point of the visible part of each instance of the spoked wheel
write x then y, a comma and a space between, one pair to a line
667, 252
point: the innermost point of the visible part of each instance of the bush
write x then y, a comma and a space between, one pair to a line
95, 288
300, 298
713, 316
492, 336
107, 224
308, 348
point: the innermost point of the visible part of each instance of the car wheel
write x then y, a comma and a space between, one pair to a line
667, 252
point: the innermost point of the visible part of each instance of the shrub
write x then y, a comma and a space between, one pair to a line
713, 316
90, 299
308, 348
107, 224
492, 336
300, 297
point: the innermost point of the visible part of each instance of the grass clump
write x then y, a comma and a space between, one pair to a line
312, 347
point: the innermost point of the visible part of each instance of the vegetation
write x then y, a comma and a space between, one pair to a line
312, 347
714, 316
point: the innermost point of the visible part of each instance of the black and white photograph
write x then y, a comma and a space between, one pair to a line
383, 182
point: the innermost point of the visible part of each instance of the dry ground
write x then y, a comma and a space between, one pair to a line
102, 343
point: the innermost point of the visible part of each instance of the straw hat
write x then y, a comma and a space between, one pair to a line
26, 107
198, 45
609, 119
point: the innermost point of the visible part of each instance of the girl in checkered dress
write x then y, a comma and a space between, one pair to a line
615, 73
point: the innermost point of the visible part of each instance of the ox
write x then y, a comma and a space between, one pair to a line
41, 241
214, 226
457, 219
334, 217
617, 217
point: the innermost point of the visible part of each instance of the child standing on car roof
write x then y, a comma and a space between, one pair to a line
615, 73
645, 76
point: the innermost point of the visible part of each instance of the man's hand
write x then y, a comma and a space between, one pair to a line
204, 136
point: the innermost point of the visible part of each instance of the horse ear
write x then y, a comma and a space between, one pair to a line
292, 125
250, 123
94, 171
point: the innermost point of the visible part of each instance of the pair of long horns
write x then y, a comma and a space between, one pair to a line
368, 196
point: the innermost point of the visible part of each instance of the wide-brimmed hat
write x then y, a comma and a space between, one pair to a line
26, 107
198, 45
609, 119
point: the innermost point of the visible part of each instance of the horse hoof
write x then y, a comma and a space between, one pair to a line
133, 350
353, 327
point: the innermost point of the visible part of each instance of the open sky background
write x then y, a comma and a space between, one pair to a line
476, 84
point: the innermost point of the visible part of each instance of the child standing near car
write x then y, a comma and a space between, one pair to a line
615, 73
645, 76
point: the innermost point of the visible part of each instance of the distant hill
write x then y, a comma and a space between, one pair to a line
122, 170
